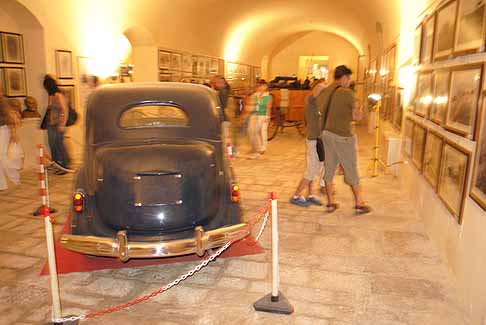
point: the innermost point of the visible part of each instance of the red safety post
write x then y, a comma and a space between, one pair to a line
275, 302
51, 254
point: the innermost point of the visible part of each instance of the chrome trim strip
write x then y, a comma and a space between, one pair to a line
124, 249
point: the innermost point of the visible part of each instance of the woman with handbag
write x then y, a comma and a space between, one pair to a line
9, 124
55, 119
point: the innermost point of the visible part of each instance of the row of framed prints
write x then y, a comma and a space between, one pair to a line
13, 82
446, 166
392, 107
177, 63
455, 28
11, 48
450, 98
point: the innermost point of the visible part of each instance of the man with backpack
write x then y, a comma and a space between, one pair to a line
338, 108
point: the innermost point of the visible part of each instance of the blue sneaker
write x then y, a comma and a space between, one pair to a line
314, 200
300, 201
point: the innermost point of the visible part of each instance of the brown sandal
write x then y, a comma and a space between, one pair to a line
332, 207
362, 209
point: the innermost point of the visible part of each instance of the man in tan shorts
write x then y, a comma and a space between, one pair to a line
338, 107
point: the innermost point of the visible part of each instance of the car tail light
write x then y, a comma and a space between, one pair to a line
78, 202
235, 193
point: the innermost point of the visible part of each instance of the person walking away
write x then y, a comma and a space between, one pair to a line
338, 107
313, 164
58, 112
9, 124
258, 124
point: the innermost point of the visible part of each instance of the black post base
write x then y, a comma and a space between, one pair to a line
276, 305
76, 322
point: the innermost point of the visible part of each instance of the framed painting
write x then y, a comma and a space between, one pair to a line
164, 60
417, 45
445, 30
423, 93
64, 64
463, 100
83, 69
427, 44
418, 145
432, 158
478, 185
175, 61
453, 179
201, 66
441, 96
398, 109
470, 26
164, 77
214, 66
15, 82
12, 48
409, 125
69, 92
186, 63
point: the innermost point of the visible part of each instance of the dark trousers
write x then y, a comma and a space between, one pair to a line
56, 144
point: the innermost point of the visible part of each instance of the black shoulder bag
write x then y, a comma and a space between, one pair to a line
319, 143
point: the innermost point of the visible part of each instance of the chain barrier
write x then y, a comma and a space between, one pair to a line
263, 212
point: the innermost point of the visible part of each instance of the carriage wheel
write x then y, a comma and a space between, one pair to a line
274, 125
302, 128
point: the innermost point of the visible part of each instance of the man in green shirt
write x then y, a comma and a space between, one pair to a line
338, 107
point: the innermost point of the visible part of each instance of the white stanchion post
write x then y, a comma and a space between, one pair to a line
51, 253
275, 302
275, 272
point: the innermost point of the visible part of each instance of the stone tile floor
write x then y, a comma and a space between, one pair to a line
336, 269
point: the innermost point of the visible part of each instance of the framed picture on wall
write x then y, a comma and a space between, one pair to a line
176, 61
417, 45
441, 96
445, 30
427, 44
164, 60
409, 125
423, 93
64, 64
478, 185
69, 92
186, 63
470, 26
432, 158
214, 66
398, 108
12, 48
15, 84
83, 69
453, 179
463, 103
418, 145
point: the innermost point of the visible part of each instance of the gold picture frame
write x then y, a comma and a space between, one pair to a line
453, 179
432, 158
463, 103
478, 184
418, 145
445, 30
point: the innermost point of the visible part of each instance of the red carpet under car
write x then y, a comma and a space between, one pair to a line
68, 261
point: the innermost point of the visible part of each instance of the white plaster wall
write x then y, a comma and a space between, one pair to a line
463, 247
340, 51
145, 61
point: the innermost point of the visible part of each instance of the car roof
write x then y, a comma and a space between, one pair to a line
107, 103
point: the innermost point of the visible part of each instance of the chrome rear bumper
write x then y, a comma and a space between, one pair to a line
123, 249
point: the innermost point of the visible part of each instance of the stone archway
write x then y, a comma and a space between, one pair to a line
144, 55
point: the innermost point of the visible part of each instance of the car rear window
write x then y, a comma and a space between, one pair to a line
153, 116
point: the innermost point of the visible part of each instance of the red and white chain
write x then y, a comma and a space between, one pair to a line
176, 281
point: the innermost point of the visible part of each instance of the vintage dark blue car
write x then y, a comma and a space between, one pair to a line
156, 180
